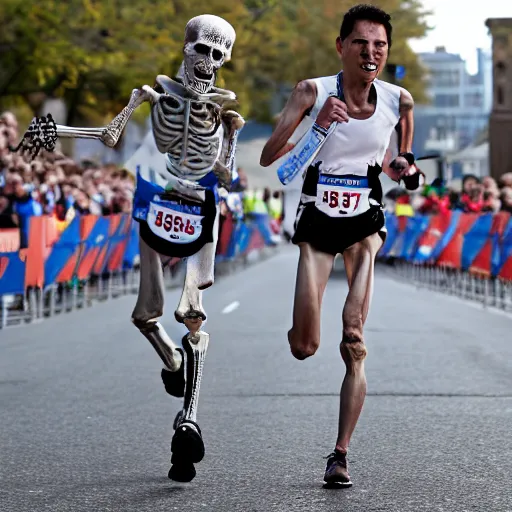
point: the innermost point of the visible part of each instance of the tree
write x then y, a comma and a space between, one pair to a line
92, 53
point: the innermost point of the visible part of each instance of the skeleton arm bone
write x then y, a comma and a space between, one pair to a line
111, 133
302, 98
233, 124
43, 132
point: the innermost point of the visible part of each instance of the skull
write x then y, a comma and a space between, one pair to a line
208, 44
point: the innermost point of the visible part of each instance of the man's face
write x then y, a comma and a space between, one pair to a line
365, 51
469, 184
19, 191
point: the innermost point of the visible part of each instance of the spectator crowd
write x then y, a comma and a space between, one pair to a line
53, 184
472, 194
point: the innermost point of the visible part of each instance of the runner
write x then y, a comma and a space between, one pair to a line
352, 117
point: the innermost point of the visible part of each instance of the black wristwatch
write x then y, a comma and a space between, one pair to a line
409, 157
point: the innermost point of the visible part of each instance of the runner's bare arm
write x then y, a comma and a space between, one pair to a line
406, 120
302, 98
406, 107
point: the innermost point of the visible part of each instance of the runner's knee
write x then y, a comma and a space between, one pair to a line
302, 347
352, 348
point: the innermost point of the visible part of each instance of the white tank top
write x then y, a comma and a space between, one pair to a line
355, 145
353, 150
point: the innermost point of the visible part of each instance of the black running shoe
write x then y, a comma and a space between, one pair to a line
336, 473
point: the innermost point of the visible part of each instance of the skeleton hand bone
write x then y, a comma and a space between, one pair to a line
41, 134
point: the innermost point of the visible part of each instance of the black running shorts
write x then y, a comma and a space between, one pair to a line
334, 235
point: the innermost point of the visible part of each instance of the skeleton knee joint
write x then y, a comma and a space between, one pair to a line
204, 286
144, 323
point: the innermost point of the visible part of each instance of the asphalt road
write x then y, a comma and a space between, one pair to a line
86, 424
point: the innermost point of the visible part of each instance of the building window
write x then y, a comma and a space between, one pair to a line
445, 78
499, 95
474, 100
446, 100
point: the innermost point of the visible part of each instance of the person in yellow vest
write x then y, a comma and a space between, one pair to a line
248, 200
403, 206
275, 206
259, 206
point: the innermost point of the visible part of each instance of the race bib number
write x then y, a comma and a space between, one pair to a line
175, 226
339, 196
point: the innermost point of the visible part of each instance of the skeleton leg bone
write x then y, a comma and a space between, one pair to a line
187, 444
148, 309
199, 276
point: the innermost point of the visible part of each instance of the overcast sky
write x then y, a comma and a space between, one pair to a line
461, 28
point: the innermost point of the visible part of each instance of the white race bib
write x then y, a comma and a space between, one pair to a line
174, 226
339, 196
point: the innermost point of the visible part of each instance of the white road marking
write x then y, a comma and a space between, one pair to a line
231, 307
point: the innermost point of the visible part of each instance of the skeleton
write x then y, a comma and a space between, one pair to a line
178, 212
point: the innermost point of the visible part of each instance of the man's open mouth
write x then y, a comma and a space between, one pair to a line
369, 67
203, 76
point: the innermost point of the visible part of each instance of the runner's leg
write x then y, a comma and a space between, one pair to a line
313, 272
359, 264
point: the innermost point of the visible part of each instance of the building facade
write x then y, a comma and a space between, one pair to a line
500, 124
460, 103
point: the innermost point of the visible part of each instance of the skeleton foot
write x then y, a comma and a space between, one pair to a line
187, 443
187, 449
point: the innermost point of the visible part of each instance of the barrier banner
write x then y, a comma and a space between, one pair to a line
242, 238
415, 227
502, 256
225, 236
61, 263
92, 245
505, 266
486, 261
132, 247
12, 273
117, 241
392, 233
478, 243
475, 240
94, 233
395, 250
451, 255
437, 235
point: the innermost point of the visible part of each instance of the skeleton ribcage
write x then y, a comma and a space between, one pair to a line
202, 137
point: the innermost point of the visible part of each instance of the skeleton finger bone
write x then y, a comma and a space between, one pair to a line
41, 134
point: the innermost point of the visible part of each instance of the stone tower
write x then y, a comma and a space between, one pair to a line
500, 122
